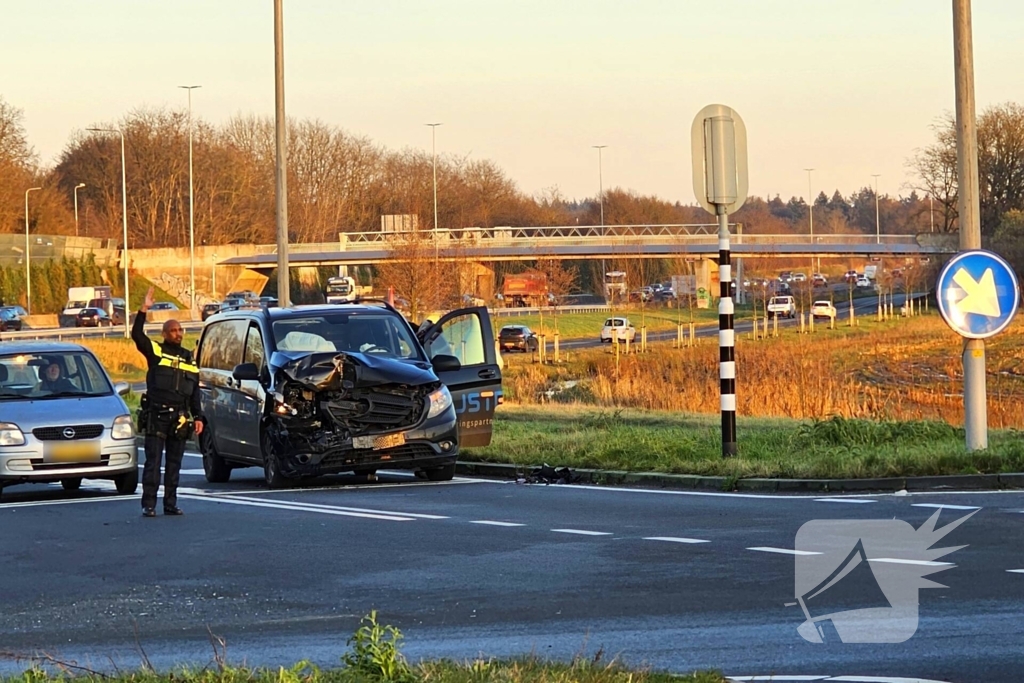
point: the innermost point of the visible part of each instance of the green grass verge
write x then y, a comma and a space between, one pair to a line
374, 657
588, 325
650, 441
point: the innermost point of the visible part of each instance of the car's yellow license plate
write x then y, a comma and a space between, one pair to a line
76, 451
379, 442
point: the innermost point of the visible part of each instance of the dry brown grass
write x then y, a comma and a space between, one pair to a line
901, 370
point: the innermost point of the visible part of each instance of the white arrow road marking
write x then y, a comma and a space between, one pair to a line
323, 510
844, 500
1016, 571
948, 507
783, 551
315, 506
921, 563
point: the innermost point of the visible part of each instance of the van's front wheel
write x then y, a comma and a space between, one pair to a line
271, 467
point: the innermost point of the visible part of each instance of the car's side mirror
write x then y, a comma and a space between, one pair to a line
122, 388
445, 363
246, 371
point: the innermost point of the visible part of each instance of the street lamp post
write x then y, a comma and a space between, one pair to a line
28, 261
191, 212
931, 210
433, 155
214, 271
79, 185
124, 221
878, 229
810, 216
600, 198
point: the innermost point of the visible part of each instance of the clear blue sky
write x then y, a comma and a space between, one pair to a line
848, 87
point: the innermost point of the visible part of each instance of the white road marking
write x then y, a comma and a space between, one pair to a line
921, 563
296, 508
777, 678
675, 539
948, 507
40, 503
582, 532
493, 523
783, 551
844, 679
844, 500
1016, 571
317, 506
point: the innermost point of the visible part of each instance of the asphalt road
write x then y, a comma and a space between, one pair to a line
675, 580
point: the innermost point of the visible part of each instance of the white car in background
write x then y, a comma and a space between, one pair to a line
823, 309
617, 329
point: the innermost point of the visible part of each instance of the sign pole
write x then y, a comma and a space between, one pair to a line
726, 336
975, 408
718, 141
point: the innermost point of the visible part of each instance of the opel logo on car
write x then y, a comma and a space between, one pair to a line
69, 433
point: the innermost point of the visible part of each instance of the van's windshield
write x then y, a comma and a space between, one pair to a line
356, 332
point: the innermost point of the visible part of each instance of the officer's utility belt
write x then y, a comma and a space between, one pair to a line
165, 421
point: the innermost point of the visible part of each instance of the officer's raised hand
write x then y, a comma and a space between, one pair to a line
149, 300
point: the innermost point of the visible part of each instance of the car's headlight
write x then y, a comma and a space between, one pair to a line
123, 428
10, 435
440, 400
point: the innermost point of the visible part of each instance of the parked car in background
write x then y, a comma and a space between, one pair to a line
618, 329
799, 277
93, 317
63, 420
819, 280
517, 338
22, 313
209, 309
10, 321
823, 309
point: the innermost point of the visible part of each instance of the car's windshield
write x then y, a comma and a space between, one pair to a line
377, 333
51, 375
75, 304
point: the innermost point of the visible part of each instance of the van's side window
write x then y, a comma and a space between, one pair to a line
254, 352
222, 345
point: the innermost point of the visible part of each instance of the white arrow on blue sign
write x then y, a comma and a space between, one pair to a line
978, 294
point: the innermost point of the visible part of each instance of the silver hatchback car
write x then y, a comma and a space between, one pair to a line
61, 419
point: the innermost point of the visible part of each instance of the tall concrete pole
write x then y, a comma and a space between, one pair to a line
28, 259
433, 156
281, 186
191, 210
975, 408
878, 225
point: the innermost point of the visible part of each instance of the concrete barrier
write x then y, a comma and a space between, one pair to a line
40, 320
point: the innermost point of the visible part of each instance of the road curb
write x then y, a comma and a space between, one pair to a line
954, 482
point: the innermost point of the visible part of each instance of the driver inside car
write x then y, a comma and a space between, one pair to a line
52, 379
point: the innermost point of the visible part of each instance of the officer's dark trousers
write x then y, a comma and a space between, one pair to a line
156, 446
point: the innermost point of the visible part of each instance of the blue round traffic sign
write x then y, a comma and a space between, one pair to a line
977, 293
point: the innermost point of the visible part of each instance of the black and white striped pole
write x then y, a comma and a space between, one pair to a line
719, 143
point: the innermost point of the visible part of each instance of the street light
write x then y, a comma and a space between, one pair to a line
600, 197
600, 180
28, 261
124, 220
810, 202
191, 213
79, 185
878, 230
433, 154
214, 269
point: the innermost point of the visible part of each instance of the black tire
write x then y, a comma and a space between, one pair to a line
128, 482
216, 468
71, 483
445, 473
271, 469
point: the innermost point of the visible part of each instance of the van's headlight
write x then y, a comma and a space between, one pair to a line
123, 428
440, 400
10, 434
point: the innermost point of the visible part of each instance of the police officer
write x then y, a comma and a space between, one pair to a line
171, 409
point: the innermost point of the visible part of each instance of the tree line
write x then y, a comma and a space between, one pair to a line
341, 182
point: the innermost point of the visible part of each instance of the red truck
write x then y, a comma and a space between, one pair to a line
525, 290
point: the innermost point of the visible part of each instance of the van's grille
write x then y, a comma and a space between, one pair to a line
67, 432
376, 410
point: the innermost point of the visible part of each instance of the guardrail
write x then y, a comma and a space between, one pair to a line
72, 333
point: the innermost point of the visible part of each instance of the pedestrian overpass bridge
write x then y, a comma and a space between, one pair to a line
678, 241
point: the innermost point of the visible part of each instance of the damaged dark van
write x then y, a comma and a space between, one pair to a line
314, 390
